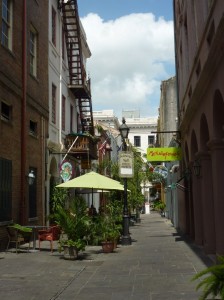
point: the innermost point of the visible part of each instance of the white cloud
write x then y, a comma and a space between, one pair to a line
130, 57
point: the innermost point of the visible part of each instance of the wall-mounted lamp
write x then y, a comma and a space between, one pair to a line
187, 174
197, 168
31, 177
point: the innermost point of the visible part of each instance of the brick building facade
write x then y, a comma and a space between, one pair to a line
24, 110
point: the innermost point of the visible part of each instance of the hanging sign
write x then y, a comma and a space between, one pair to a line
66, 171
161, 170
163, 154
126, 164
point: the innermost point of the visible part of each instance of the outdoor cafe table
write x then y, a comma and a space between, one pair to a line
35, 228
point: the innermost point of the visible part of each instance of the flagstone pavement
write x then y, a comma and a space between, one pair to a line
158, 265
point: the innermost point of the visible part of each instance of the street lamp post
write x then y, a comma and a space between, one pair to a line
125, 239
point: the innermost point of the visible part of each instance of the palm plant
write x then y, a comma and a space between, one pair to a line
74, 222
213, 283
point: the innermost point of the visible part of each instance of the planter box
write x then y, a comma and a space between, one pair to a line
70, 252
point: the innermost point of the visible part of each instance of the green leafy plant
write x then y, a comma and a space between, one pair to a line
213, 282
59, 197
74, 222
21, 228
107, 229
79, 244
108, 225
159, 205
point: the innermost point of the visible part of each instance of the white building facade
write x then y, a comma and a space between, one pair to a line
142, 133
63, 108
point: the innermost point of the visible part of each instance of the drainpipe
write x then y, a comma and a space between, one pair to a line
175, 43
23, 119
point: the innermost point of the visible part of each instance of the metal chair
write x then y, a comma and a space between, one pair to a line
51, 234
17, 236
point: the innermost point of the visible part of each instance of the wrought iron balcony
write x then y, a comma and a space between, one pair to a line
81, 146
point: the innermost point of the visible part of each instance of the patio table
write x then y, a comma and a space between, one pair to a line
34, 233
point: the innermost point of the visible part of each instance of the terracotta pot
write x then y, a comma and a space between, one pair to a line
108, 246
115, 243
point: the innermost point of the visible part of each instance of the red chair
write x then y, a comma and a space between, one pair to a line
51, 234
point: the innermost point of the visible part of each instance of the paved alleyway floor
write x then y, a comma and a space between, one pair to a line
158, 265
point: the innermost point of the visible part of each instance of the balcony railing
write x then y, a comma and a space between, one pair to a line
81, 146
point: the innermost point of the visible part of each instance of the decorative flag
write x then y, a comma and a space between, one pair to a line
66, 171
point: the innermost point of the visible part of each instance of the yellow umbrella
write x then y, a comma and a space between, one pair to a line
93, 180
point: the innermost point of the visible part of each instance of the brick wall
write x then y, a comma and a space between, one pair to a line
37, 104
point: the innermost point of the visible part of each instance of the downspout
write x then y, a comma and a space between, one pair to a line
44, 168
175, 44
175, 195
60, 79
23, 119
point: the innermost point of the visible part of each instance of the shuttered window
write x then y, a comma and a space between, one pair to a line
5, 190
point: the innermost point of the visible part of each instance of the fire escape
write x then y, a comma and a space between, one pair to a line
79, 84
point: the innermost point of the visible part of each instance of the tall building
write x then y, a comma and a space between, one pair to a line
199, 31
24, 110
167, 123
46, 107
168, 136
70, 107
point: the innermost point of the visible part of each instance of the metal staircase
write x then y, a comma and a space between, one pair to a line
78, 81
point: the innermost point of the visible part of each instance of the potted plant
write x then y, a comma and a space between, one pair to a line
107, 234
74, 222
109, 227
71, 248
160, 206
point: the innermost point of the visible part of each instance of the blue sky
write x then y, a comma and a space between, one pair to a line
108, 9
132, 48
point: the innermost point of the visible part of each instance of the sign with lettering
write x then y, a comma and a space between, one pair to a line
126, 164
163, 154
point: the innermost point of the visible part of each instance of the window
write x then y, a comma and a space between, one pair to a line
53, 107
151, 139
53, 27
33, 52
5, 190
63, 113
6, 39
6, 111
63, 44
71, 118
137, 141
33, 128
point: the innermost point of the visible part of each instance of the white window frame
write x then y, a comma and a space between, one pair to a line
53, 26
54, 104
33, 52
7, 17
